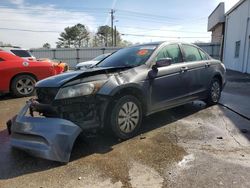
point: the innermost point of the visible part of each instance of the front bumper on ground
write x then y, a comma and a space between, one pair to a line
49, 138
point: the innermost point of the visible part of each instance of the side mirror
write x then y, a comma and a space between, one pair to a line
162, 62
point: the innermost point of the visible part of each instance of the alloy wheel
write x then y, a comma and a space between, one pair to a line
215, 91
25, 86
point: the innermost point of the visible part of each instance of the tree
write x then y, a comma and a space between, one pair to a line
5, 44
103, 36
125, 43
76, 36
47, 45
82, 36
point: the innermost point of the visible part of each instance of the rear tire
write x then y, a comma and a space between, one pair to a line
23, 86
214, 92
126, 117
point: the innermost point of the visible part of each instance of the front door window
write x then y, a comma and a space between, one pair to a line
170, 51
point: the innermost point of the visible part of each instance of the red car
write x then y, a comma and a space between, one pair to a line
19, 75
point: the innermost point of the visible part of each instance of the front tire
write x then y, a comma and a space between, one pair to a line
214, 92
126, 117
23, 86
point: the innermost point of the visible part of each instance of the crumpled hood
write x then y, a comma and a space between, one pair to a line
87, 63
61, 79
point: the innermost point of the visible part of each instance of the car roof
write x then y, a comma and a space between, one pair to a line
166, 42
158, 43
11, 48
149, 43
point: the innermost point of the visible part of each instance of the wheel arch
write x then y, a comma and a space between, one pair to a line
131, 90
219, 77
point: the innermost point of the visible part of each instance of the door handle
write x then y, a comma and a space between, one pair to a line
207, 65
184, 69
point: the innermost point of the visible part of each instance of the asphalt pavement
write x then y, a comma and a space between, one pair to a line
236, 95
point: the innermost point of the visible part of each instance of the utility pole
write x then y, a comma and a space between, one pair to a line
112, 23
115, 36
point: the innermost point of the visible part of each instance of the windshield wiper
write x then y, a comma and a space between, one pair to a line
126, 66
122, 66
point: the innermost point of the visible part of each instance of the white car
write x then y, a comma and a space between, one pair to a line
23, 53
87, 64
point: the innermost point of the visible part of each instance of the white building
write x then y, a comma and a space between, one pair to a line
236, 46
216, 23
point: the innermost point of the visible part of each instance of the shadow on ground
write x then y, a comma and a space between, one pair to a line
15, 163
5, 97
241, 123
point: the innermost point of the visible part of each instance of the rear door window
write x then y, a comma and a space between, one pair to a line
191, 53
170, 51
21, 53
203, 55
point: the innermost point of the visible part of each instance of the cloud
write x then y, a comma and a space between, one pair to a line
39, 18
17, 2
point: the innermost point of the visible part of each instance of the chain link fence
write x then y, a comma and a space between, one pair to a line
72, 56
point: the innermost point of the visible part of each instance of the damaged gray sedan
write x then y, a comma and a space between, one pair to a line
115, 94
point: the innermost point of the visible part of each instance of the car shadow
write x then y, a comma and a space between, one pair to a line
240, 122
5, 96
15, 163
8, 96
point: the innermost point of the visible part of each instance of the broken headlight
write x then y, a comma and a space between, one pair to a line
79, 90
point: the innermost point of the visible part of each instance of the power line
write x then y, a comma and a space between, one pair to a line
28, 21
150, 15
29, 30
42, 13
150, 29
158, 16
158, 36
54, 8
123, 34
153, 21
97, 11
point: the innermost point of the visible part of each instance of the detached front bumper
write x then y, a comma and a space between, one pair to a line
49, 138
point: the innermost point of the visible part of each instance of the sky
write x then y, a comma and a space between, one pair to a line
31, 23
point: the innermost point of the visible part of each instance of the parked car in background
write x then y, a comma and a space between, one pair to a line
64, 65
93, 62
115, 94
19, 75
26, 54
23, 53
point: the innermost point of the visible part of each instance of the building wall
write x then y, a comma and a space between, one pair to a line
216, 17
217, 33
237, 29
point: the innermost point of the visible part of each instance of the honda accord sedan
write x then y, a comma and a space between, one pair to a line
115, 94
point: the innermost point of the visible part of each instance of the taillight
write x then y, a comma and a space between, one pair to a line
66, 68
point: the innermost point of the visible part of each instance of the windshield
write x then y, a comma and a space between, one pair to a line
101, 57
132, 56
